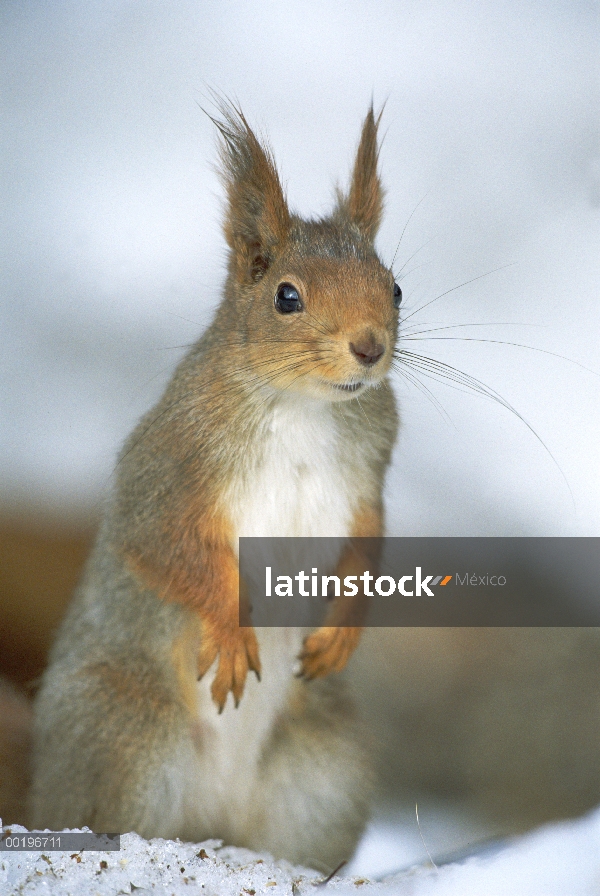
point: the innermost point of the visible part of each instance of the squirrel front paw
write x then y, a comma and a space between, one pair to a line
237, 649
327, 650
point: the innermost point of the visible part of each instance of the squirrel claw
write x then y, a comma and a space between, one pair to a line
238, 653
327, 650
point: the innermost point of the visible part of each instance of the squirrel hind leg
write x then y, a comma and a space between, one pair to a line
106, 742
313, 793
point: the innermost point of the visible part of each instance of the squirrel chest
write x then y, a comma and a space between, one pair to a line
295, 485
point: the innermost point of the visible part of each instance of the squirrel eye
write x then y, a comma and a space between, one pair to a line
287, 299
397, 296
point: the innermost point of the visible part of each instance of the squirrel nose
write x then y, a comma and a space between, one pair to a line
368, 352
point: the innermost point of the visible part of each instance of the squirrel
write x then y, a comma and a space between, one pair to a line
278, 422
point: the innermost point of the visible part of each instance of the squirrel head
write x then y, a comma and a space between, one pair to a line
309, 302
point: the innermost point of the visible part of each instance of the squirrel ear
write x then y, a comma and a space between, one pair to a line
364, 203
257, 218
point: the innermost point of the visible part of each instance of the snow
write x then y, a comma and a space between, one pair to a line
558, 860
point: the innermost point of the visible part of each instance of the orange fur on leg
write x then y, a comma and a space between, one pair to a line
329, 648
205, 578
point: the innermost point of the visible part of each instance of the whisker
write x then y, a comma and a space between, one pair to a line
424, 264
323, 329
442, 372
188, 320
416, 338
410, 257
409, 296
406, 225
172, 348
422, 388
440, 329
460, 285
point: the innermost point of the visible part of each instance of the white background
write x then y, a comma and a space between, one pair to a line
113, 252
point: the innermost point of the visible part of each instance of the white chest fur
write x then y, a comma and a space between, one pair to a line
297, 486
292, 484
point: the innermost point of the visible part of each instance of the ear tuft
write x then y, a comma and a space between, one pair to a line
257, 218
364, 203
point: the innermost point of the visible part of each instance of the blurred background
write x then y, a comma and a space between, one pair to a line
113, 260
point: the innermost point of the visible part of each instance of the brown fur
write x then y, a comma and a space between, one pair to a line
171, 523
365, 200
15, 753
120, 713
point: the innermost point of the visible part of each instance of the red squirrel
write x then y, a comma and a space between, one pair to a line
278, 422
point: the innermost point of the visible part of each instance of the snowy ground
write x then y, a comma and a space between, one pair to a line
396, 839
559, 860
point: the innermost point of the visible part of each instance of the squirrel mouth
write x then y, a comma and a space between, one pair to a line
348, 387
